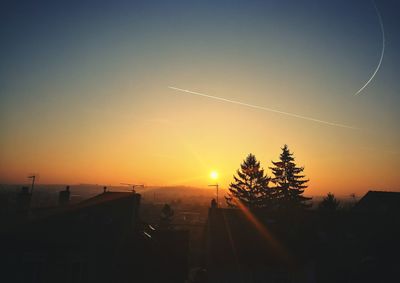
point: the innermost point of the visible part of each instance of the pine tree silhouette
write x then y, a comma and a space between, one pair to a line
250, 186
329, 203
289, 182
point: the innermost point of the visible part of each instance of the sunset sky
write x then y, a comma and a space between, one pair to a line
84, 94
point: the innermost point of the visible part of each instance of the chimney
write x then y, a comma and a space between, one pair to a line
214, 203
64, 196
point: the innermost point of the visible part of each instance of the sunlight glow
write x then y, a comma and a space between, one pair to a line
214, 175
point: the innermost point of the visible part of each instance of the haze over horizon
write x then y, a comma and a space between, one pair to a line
84, 94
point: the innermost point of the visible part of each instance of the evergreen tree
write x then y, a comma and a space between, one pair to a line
289, 182
329, 203
250, 186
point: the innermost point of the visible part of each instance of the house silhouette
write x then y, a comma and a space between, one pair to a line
379, 202
101, 239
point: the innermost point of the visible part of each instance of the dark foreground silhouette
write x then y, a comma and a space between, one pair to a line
104, 239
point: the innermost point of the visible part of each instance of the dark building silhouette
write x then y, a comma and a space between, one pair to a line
379, 202
104, 239
23, 203
257, 248
101, 239
64, 196
305, 246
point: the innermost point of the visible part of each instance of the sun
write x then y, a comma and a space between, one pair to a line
214, 175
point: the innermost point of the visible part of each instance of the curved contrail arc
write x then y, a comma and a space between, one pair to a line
263, 108
382, 52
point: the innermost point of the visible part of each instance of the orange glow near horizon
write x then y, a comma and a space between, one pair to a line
158, 147
99, 166
170, 152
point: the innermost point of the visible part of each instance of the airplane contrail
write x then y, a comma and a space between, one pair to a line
262, 108
382, 52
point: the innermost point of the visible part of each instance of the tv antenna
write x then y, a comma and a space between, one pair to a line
33, 177
133, 186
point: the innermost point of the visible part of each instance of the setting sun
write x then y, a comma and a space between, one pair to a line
214, 175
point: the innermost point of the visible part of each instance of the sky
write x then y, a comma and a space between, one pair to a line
85, 97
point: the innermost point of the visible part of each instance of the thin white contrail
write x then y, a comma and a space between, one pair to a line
382, 52
263, 108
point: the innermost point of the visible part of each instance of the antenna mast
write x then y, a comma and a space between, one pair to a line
33, 177
133, 186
